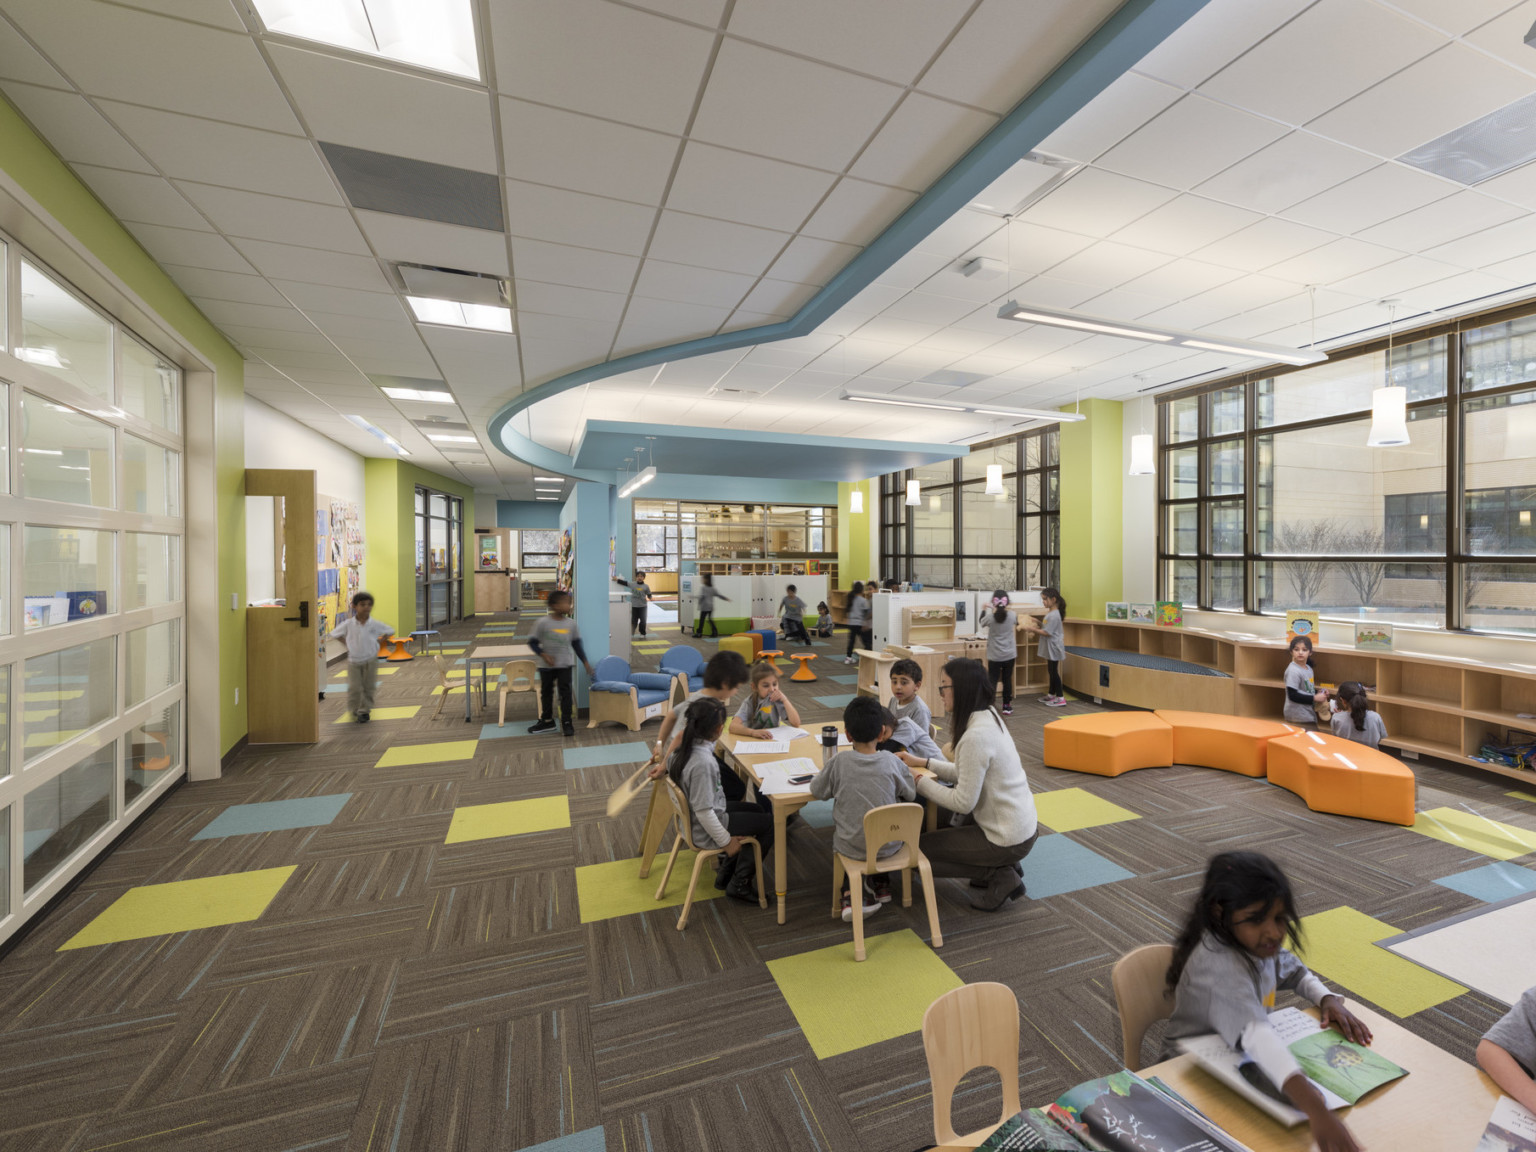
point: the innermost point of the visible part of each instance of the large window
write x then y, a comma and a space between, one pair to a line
960, 536
670, 531
92, 639
1270, 499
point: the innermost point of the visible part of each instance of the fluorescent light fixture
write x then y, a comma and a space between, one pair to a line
47, 357
418, 394
856, 504
1141, 455
374, 430
994, 481
638, 481
456, 314
1077, 322
44, 451
914, 493
445, 439
1011, 413
546, 497
550, 479
435, 34
1389, 418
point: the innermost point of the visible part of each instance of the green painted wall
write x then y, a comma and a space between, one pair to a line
1091, 519
853, 559
389, 534
29, 161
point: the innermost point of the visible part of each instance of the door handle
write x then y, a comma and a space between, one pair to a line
303, 616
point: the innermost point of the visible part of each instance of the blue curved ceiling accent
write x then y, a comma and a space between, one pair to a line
1135, 29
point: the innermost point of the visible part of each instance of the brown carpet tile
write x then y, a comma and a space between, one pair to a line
400, 993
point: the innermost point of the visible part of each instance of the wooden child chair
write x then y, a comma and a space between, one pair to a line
448, 679
1140, 980
903, 822
682, 819
518, 676
974, 1026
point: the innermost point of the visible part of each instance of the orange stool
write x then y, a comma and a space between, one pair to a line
1232, 743
1343, 777
768, 654
755, 640
803, 673
394, 654
1109, 743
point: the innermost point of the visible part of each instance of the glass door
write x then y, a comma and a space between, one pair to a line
439, 558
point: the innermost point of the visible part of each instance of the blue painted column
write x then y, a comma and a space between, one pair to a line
586, 513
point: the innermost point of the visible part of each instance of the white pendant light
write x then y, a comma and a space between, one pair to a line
1389, 404
934, 503
856, 502
914, 493
1142, 456
994, 481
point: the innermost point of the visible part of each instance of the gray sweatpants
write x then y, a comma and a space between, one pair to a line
362, 685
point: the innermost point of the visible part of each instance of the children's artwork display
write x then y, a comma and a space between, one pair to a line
1303, 622
1143, 613
1117, 610
338, 557
1170, 613
565, 561
490, 552
1373, 637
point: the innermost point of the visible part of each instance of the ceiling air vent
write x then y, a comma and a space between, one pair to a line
454, 284
1498, 142
948, 379
380, 182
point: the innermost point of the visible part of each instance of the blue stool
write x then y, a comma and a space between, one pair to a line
425, 643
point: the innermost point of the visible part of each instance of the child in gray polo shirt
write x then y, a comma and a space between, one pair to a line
1507, 1051
858, 780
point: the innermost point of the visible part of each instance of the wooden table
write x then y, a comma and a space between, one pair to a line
483, 655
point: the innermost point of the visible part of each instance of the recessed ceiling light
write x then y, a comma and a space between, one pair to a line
442, 439
551, 479
419, 394
454, 314
374, 430
435, 34
546, 497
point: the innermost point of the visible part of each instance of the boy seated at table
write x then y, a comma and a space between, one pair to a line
859, 779
1507, 1051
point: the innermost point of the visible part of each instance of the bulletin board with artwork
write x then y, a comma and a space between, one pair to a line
338, 556
565, 562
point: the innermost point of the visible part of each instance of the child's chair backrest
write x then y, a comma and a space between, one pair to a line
1140, 980
611, 668
520, 675
443, 670
680, 811
893, 822
975, 1026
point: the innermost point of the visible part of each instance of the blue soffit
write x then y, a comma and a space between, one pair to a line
671, 448
1135, 29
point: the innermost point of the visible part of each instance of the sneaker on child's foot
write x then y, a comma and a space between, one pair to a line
881, 887
849, 660
567, 729
1007, 709
362, 717
871, 905
1057, 701
543, 726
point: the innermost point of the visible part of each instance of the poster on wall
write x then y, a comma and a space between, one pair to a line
565, 562
1303, 622
490, 552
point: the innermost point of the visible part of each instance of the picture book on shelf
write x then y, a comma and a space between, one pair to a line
1511, 1128
1117, 610
1119, 1113
1143, 613
1374, 637
1303, 622
1170, 614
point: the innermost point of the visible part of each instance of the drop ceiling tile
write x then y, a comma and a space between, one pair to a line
1110, 117
543, 360
396, 359
1185, 224
1190, 142
913, 269
891, 40
1453, 292
1331, 52
593, 333
1445, 90
563, 300
385, 110
776, 105
1108, 264
288, 361
1125, 304
1517, 186
76, 131
960, 342
142, 58
343, 301
339, 326
1007, 48
141, 198
706, 12
1290, 170
576, 218
650, 323
20, 61
256, 216
193, 249
291, 341
1370, 198
1213, 37
189, 148
661, 280
568, 150
577, 267
709, 243
778, 297
1489, 246
856, 211
313, 265
1391, 279
750, 189
1459, 214
928, 308
223, 312
920, 142
1097, 203
435, 245
478, 357
1336, 260
1181, 278
1521, 269
1503, 36
227, 286
632, 66
961, 234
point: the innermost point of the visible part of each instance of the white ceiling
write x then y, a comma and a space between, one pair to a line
663, 177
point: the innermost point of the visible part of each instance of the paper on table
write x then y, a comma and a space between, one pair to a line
787, 733
758, 747
1511, 1128
775, 776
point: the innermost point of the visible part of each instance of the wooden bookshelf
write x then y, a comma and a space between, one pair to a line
1432, 705
928, 624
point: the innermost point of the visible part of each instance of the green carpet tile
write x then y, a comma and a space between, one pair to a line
408, 987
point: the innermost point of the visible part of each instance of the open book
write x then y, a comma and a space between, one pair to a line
1511, 1128
1341, 1071
1120, 1113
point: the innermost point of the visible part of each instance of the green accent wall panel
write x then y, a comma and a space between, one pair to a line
1091, 512
853, 559
389, 534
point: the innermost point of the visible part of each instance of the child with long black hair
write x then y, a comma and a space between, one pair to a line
859, 609
1002, 646
1356, 720
1301, 691
716, 820
1052, 648
1228, 964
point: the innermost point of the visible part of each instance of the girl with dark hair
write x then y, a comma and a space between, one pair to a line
1301, 691
716, 820
989, 785
1228, 964
1356, 720
1052, 648
1002, 646
858, 620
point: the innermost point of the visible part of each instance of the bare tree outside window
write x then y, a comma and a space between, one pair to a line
1364, 576
1300, 542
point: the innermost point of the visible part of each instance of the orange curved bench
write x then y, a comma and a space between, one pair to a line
1109, 743
1343, 777
1231, 743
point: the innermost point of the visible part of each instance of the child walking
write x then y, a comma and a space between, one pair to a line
1356, 720
792, 608
1301, 691
1228, 964
765, 706
1002, 646
858, 780
639, 600
362, 634
716, 820
858, 620
1052, 648
706, 598
557, 641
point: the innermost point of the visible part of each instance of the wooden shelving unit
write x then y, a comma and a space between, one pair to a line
930, 624
1432, 706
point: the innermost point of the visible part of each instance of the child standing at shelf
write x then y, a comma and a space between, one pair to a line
793, 610
706, 598
1052, 648
1229, 962
765, 707
1356, 720
858, 620
1507, 1051
857, 780
557, 641
716, 820
639, 600
362, 634
1002, 646
1301, 691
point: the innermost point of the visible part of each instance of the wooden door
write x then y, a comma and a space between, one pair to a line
282, 669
